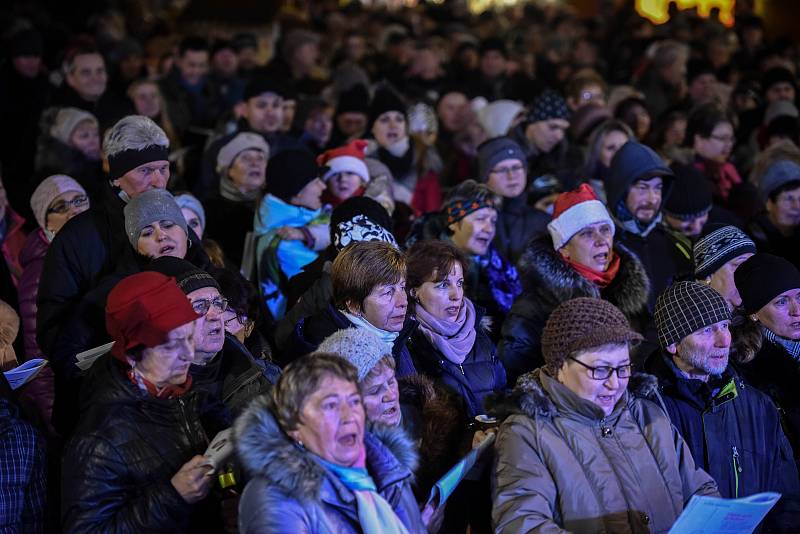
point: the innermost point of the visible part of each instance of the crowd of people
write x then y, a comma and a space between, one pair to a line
362, 243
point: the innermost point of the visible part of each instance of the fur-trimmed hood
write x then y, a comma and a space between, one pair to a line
528, 397
266, 451
547, 278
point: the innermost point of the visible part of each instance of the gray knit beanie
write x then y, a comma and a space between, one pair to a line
189, 201
778, 174
493, 151
241, 142
361, 348
66, 120
149, 207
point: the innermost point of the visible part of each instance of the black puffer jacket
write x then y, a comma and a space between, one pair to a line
548, 281
480, 375
118, 466
55, 157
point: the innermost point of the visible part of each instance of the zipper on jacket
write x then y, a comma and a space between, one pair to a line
737, 468
462, 370
185, 420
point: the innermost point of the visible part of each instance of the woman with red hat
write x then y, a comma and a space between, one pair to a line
577, 259
134, 463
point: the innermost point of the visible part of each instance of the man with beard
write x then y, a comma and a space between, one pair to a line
732, 429
222, 367
638, 184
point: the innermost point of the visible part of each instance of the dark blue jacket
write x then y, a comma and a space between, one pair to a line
481, 373
310, 332
734, 433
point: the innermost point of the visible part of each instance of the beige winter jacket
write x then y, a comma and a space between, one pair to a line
561, 465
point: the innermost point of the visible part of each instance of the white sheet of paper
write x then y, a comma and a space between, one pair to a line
87, 358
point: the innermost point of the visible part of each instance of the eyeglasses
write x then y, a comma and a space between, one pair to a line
604, 372
63, 206
724, 139
514, 169
202, 306
239, 317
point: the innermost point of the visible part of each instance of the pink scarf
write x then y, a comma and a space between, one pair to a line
454, 339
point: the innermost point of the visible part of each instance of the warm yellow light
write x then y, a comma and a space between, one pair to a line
656, 11
479, 6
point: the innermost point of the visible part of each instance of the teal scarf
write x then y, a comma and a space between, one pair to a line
375, 515
359, 322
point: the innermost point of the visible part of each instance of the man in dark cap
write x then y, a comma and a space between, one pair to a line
732, 429
224, 73
639, 182
352, 113
779, 83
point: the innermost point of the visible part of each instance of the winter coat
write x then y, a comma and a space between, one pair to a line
562, 465
232, 377
481, 374
313, 299
32, 261
548, 281
117, 468
777, 374
188, 109
517, 224
734, 432
108, 109
310, 332
23, 478
12, 242
291, 492
227, 223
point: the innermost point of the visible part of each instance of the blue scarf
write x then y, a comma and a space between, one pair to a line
375, 515
630, 223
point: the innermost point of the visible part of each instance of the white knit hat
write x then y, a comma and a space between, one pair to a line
47, 191
496, 117
237, 145
575, 210
358, 346
66, 120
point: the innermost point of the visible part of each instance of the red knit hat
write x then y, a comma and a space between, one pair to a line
573, 211
143, 309
347, 158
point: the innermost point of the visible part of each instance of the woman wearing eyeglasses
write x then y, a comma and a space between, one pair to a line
55, 201
581, 449
710, 129
578, 258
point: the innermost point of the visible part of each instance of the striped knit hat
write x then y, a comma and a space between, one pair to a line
686, 307
719, 245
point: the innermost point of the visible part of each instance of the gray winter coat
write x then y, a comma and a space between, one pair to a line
290, 492
561, 465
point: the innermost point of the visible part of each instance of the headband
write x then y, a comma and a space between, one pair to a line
459, 209
127, 160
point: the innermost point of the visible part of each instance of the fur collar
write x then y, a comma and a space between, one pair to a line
528, 398
266, 451
548, 278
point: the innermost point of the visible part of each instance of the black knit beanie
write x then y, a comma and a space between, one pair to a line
289, 171
762, 278
691, 194
189, 277
385, 99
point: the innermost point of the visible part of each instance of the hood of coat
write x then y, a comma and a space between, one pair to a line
265, 450
632, 162
548, 278
529, 398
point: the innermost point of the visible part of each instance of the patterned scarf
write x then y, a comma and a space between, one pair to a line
791, 346
228, 190
169, 391
454, 339
375, 515
502, 276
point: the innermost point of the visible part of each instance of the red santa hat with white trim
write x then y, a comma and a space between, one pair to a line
574, 211
347, 158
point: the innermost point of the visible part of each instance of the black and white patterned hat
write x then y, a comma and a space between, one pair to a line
719, 245
687, 307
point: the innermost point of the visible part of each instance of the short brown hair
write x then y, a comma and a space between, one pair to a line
433, 258
299, 381
363, 265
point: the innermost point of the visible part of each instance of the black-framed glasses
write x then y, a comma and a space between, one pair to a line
514, 169
63, 206
201, 306
604, 372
